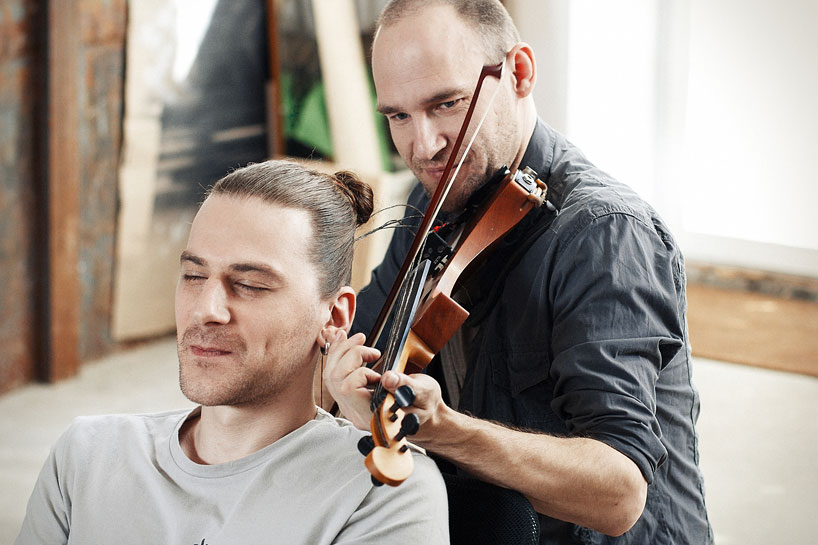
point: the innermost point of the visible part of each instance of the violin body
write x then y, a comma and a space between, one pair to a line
439, 316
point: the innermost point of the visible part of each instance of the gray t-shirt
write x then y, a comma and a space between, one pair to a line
124, 479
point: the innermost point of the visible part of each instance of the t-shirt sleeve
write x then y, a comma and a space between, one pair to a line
617, 323
47, 519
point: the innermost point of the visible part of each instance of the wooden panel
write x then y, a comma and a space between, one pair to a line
275, 119
343, 70
753, 329
63, 189
99, 100
21, 185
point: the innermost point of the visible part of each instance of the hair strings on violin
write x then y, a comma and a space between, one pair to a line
405, 222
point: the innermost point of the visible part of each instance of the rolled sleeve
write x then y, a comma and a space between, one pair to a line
616, 326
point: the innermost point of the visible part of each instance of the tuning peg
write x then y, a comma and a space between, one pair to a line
375, 481
404, 396
408, 426
366, 444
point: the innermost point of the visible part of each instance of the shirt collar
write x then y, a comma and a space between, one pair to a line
539, 155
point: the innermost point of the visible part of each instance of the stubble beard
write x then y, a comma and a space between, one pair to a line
495, 151
232, 381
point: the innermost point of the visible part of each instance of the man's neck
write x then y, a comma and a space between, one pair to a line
225, 433
527, 130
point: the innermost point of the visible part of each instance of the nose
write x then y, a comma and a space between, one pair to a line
429, 140
211, 306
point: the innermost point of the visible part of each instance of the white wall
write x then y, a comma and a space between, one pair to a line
706, 107
752, 127
544, 25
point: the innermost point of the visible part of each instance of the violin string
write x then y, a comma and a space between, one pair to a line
400, 309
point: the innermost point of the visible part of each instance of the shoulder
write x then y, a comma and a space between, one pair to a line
124, 423
110, 441
343, 437
425, 478
107, 433
416, 510
594, 195
583, 192
602, 222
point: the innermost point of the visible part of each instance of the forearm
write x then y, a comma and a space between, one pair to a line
578, 480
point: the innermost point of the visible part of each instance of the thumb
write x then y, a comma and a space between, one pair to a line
391, 380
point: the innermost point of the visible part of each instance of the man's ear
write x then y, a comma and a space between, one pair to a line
524, 69
341, 312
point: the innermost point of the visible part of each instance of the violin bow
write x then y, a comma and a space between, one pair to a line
386, 450
436, 202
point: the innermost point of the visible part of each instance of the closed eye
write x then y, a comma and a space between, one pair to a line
249, 288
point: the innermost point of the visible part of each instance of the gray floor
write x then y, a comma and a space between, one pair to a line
758, 436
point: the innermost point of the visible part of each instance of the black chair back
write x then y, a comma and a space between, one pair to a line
484, 514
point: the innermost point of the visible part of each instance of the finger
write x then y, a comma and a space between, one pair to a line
427, 390
346, 356
361, 378
337, 371
353, 395
340, 344
369, 354
393, 380
372, 377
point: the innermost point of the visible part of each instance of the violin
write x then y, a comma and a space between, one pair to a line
424, 314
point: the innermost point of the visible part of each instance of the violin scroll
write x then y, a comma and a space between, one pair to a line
387, 453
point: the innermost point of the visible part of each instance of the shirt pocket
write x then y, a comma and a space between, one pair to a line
517, 371
524, 379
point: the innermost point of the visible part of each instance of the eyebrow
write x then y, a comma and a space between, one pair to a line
262, 268
187, 256
437, 98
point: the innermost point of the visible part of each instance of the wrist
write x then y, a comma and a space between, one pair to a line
444, 429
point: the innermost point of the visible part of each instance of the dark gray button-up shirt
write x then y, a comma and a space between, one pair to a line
583, 333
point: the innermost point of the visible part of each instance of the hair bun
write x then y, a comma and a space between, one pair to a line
357, 192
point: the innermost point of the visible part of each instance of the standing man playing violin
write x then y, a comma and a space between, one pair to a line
572, 384
263, 282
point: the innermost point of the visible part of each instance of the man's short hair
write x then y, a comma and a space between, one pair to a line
487, 18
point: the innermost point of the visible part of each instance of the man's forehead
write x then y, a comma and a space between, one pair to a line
245, 211
248, 230
408, 53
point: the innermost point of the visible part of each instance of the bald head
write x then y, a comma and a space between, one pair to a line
488, 19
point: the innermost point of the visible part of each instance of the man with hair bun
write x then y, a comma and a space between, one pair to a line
571, 381
263, 286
